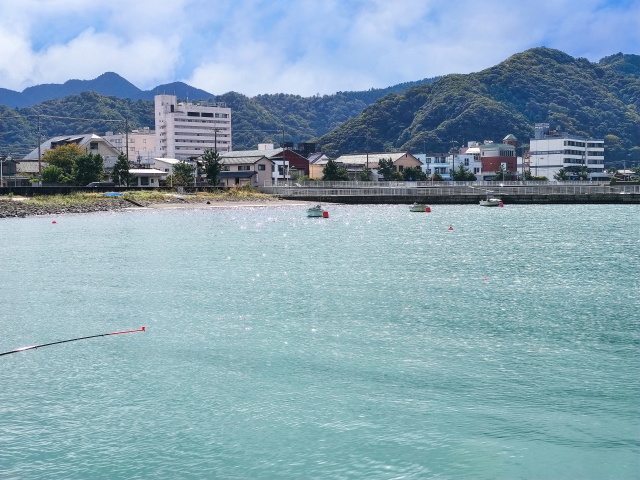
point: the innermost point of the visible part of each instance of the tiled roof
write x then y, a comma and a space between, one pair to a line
241, 160
252, 153
361, 158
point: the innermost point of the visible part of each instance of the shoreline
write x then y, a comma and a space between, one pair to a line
21, 207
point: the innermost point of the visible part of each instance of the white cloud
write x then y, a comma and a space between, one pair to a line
304, 47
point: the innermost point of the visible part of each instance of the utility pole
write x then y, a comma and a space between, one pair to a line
284, 168
126, 134
39, 155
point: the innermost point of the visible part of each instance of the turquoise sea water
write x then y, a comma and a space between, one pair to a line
374, 344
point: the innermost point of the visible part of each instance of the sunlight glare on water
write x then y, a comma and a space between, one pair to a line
374, 344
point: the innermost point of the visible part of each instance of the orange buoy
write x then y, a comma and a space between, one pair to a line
428, 209
450, 228
325, 214
501, 204
54, 221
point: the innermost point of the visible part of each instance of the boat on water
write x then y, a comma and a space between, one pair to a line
316, 211
491, 202
418, 208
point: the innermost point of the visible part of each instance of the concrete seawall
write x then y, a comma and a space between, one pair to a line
601, 198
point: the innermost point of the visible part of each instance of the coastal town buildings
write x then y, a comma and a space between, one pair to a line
249, 166
142, 144
90, 142
355, 163
184, 130
553, 150
435, 163
286, 163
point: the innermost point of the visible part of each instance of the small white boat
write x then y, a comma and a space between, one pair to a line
316, 211
491, 202
419, 208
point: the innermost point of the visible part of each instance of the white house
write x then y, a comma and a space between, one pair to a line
90, 142
433, 163
552, 150
184, 130
147, 177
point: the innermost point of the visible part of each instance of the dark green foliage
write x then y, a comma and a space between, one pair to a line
120, 173
332, 172
463, 174
88, 168
413, 174
365, 175
561, 175
183, 173
500, 175
436, 177
539, 85
212, 165
53, 174
387, 169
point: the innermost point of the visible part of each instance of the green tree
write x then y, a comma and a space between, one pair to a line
527, 175
436, 177
332, 172
414, 174
364, 175
561, 176
64, 157
500, 174
88, 168
120, 173
212, 165
387, 169
183, 173
53, 174
463, 174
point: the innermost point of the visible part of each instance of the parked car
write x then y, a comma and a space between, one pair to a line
101, 184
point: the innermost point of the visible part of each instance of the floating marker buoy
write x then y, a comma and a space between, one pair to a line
501, 204
450, 228
54, 221
428, 209
325, 214
485, 279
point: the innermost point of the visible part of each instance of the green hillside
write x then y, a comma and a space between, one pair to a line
258, 119
539, 85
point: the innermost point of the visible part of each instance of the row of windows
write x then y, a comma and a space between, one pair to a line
206, 128
208, 114
595, 154
573, 160
573, 152
595, 145
590, 162
201, 121
571, 143
209, 135
199, 141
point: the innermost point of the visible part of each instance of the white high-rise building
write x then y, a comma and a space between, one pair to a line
552, 150
185, 130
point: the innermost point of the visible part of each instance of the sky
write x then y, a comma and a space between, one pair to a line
303, 47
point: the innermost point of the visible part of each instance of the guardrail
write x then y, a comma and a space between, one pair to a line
477, 183
454, 190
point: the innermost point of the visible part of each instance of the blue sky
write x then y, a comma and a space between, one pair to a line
301, 47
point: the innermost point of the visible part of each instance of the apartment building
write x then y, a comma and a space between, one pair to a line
184, 130
142, 144
552, 150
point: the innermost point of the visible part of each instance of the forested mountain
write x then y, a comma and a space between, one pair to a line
255, 120
539, 85
107, 84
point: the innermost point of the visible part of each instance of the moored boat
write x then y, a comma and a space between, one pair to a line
419, 208
491, 202
316, 211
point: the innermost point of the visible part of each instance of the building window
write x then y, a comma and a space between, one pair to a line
401, 167
262, 167
94, 145
193, 114
144, 180
205, 114
242, 168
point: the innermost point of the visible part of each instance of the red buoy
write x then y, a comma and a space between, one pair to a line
53, 221
428, 209
325, 214
450, 228
501, 204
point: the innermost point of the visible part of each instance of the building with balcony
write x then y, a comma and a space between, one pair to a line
142, 144
184, 130
433, 163
552, 150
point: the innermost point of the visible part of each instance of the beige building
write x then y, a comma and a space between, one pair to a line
355, 163
142, 144
240, 170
